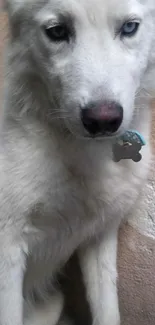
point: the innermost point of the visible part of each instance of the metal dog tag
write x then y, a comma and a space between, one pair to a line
128, 146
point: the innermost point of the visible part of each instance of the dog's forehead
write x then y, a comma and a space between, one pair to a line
99, 7
98, 12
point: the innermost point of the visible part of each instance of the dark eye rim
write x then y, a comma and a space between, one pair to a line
65, 37
129, 35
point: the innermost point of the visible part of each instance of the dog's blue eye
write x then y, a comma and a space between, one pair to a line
129, 28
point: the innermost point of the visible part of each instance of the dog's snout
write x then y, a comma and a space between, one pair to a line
102, 118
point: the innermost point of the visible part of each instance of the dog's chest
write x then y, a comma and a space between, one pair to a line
79, 206
75, 198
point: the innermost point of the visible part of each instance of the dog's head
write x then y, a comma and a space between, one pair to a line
91, 55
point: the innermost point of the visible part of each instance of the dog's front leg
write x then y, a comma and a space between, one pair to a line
11, 283
98, 263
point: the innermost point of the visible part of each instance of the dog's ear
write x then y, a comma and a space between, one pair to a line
148, 82
12, 6
13, 9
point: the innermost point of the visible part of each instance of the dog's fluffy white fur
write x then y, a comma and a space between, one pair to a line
62, 192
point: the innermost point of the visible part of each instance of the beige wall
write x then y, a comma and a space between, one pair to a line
136, 247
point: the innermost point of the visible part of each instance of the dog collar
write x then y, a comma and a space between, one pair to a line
128, 145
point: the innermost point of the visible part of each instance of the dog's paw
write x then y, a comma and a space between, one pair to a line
112, 320
109, 318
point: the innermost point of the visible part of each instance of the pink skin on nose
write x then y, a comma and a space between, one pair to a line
105, 112
102, 118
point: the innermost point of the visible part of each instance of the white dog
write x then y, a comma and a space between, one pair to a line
78, 75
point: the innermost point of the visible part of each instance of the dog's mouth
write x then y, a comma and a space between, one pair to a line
102, 136
77, 130
99, 137
105, 136
80, 134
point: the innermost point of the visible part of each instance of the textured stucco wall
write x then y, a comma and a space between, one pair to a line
145, 220
136, 258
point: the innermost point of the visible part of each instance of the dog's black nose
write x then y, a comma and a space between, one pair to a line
102, 118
